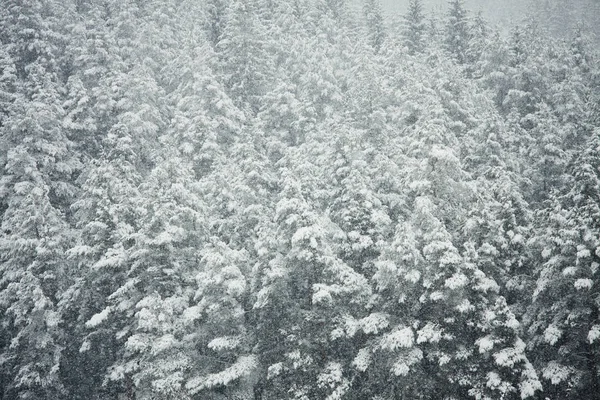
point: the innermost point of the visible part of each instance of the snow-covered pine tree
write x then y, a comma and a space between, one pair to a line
457, 31
375, 24
563, 316
415, 27
454, 334
215, 20
39, 164
156, 300
245, 65
321, 298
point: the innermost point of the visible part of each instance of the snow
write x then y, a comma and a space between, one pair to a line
362, 360
436, 296
274, 370
374, 323
594, 334
79, 250
309, 234
243, 366
581, 284
583, 252
412, 276
546, 253
85, 346
493, 380
556, 373
332, 375
431, 333
138, 342
225, 343
192, 314
530, 383
485, 344
114, 257
163, 343
456, 281
302, 199
397, 339
552, 334
322, 297
465, 306
400, 368
509, 356
512, 322
443, 360
98, 318
484, 283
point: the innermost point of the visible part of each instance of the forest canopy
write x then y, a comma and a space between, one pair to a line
297, 199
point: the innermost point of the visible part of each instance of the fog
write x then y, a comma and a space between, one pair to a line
496, 9
503, 13
561, 17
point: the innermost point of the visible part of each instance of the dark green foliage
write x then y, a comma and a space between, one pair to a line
272, 200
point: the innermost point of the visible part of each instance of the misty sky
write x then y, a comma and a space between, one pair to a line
494, 10
507, 13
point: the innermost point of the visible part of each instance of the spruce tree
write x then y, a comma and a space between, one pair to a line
457, 32
415, 27
375, 24
563, 317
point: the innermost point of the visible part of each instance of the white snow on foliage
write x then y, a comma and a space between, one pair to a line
85, 346
225, 343
465, 306
508, 357
583, 252
594, 334
79, 251
485, 344
552, 334
192, 314
244, 366
570, 271
138, 342
310, 234
556, 373
583, 284
321, 296
493, 380
456, 281
399, 338
274, 370
164, 343
374, 323
412, 276
402, 365
98, 318
362, 360
332, 375
436, 296
530, 382
114, 257
485, 284
431, 333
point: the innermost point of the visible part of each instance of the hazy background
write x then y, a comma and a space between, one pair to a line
492, 7
502, 12
560, 16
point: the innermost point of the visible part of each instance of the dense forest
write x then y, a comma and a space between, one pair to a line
296, 199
